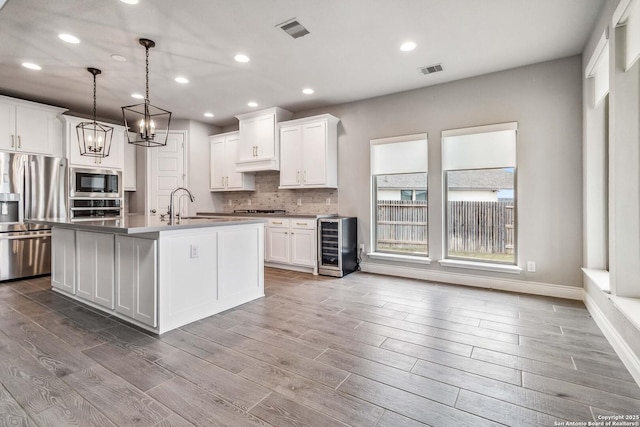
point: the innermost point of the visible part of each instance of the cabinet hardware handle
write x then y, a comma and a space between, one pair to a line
13, 143
19, 142
222, 181
227, 181
298, 177
275, 222
301, 223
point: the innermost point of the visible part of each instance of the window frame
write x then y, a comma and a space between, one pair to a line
375, 251
445, 195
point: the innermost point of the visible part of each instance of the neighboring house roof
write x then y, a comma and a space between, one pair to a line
487, 179
414, 181
478, 180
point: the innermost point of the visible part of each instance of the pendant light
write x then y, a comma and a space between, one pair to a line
94, 139
144, 121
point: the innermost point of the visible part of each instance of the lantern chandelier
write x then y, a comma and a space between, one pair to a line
147, 125
94, 139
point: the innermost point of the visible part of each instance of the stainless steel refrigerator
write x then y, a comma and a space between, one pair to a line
31, 187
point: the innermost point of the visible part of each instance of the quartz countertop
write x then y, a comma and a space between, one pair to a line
264, 215
136, 224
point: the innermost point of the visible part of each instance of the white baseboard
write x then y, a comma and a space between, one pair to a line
536, 288
628, 357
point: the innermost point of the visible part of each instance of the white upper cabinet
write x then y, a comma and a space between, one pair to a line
259, 140
309, 152
30, 127
224, 155
130, 167
115, 159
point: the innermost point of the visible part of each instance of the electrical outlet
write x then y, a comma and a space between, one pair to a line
531, 266
362, 247
249, 202
195, 251
328, 201
230, 202
299, 202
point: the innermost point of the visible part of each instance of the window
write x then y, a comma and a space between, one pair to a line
479, 166
399, 195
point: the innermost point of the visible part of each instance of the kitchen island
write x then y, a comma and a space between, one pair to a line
155, 274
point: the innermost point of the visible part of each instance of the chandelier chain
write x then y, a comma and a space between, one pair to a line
94, 99
147, 75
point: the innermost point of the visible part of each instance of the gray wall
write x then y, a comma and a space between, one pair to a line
545, 99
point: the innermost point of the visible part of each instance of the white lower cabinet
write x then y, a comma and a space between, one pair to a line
95, 261
63, 260
136, 279
292, 241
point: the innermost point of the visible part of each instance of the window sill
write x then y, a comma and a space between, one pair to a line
599, 277
484, 266
402, 258
629, 307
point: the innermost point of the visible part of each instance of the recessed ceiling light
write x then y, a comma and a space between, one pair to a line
182, 80
408, 46
208, 114
118, 58
252, 104
241, 58
69, 38
307, 91
129, 1
137, 96
31, 66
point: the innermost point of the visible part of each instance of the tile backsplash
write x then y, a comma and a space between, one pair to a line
268, 196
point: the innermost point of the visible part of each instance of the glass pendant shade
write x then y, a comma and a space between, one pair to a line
94, 139
147, 124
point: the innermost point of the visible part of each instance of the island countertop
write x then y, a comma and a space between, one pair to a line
136, 224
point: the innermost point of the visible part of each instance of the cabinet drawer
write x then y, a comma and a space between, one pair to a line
278, 222
303, 223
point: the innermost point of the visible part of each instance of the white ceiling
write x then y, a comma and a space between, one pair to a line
351, 53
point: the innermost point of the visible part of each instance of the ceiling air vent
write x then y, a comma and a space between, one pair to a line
430, 69
294, 28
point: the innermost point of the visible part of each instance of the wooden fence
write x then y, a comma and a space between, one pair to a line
480, 227
474, 227
402, 225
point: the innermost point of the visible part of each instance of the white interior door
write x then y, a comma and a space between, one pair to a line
166, 172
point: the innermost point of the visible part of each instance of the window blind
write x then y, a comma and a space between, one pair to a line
403, 154
482, 147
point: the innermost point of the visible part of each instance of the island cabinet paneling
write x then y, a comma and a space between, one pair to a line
95, 261
136, 279
63, 260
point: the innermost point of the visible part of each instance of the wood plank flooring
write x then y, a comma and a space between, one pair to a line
364, 350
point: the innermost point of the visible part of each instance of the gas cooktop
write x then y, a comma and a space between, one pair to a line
262, 211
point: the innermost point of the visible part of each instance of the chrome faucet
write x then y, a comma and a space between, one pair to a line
171, 213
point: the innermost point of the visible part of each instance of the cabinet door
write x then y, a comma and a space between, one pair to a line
266, 137
96, 266
63, 260
136, 279
290, 173
7, 126
32, 129
234, 179
248, 138
303, 247
314, 152
278, 244
115, 159
130, 167
217, 164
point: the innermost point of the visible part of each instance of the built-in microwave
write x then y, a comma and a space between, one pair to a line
99, 183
